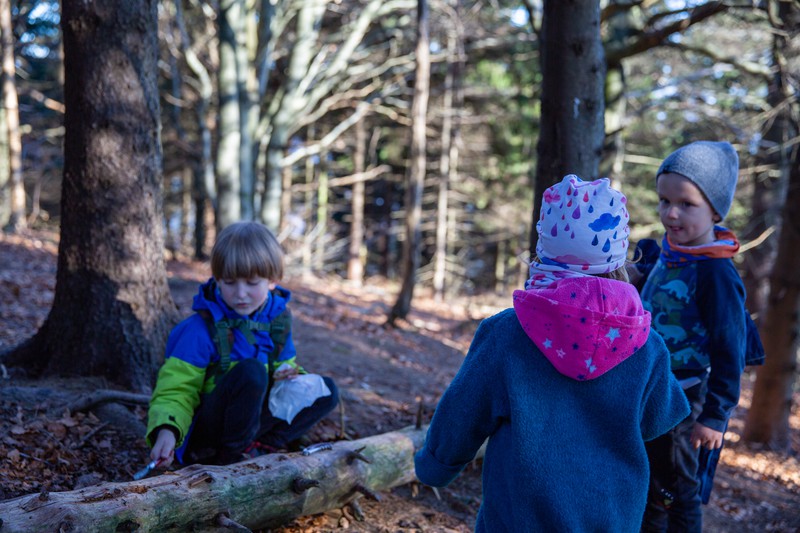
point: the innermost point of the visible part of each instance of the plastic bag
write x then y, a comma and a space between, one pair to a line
290, 396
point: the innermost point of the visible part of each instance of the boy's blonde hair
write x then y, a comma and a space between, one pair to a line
247, 250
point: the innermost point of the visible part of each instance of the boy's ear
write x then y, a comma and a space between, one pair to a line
272, 285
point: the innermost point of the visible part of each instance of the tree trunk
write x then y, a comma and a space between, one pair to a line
775, 152
572, 101
768, 418
203, 188
448, 110
112, 309
418, 161
259, 493
321, 228
355, 263
229, 207
284, 121
16, 221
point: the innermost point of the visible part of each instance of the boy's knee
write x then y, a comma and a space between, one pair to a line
332, 400
249, 372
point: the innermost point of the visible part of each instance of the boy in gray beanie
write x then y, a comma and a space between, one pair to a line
693, 293
712, 166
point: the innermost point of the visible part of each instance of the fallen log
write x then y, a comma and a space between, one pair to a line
264, 492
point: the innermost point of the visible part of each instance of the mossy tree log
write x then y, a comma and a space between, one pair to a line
259, 493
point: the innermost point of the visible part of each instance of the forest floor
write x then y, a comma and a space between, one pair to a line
383, 375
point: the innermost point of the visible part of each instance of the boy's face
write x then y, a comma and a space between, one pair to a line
687, 216
245, 295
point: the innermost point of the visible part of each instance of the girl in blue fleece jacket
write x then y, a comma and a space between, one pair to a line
567, 386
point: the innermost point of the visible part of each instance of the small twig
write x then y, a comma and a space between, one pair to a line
205, 477
301, 484
368, 493
436, 492
88, 436
358, 513
342, 432
418, 425
355, 455
223, 520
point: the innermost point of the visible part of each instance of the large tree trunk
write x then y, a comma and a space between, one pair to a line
112, 308
768, 418
264, 492
418, 162
16, 220
573, 70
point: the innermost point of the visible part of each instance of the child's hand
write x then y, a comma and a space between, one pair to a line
287, 373
706, 437
164, 448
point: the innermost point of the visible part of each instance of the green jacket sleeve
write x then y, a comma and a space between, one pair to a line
175, 398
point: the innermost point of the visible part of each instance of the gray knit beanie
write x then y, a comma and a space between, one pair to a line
712, 166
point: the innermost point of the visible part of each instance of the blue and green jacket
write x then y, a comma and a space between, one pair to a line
189, 369
698, 308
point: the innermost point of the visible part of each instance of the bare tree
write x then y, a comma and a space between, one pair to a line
112, 308
417, 167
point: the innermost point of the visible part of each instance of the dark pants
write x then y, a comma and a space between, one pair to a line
236, 413
673, 501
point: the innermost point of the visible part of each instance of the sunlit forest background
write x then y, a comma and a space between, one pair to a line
322, 94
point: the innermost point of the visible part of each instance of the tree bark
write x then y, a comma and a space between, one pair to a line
355, 259
229, 187
572, 102
418, 162
112, 308
259, 493
767, 420
16, 221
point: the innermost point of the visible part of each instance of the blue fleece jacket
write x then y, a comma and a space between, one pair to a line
565, 453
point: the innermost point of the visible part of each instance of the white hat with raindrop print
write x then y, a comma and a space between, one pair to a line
583, 227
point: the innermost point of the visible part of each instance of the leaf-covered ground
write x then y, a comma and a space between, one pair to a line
384, 374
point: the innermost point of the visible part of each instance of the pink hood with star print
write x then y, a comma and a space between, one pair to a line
585, 326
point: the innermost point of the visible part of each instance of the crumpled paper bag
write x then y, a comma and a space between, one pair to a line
290, 396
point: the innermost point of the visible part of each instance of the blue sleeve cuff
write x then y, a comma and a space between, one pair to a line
713, 423
431, 472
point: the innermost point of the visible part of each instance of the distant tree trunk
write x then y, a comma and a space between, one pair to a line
112, 308
447, 149
229, 205
247, 110
282, 124
355, 264
418, 163
572, 102
768, 418
16, 219
321, 229
203, 186
5, 173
